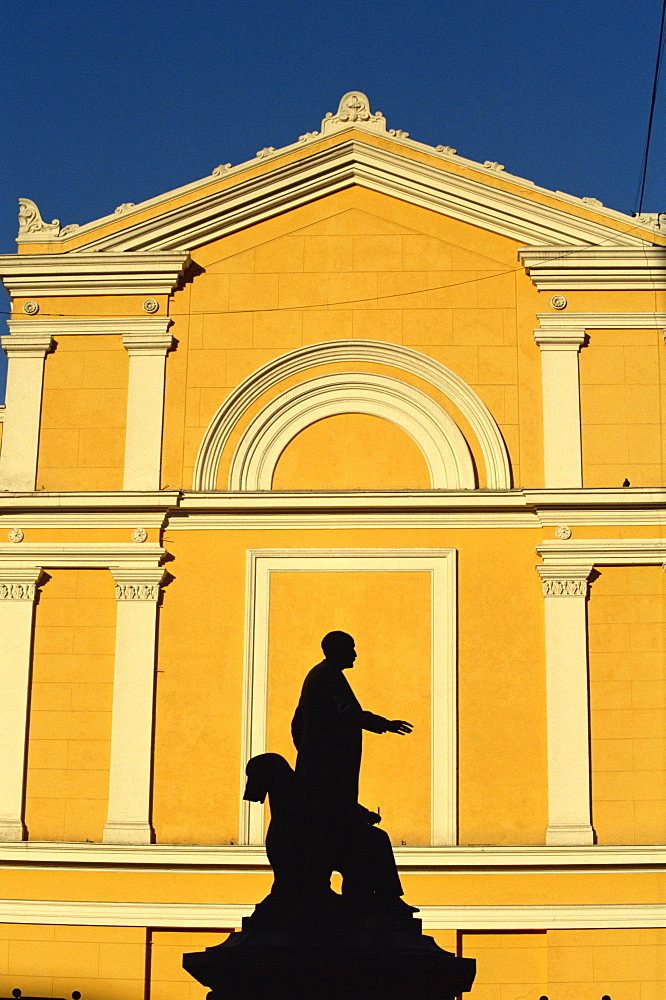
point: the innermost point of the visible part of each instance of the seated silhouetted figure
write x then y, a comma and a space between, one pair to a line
364, 859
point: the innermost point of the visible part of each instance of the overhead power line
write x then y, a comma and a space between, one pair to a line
646, 154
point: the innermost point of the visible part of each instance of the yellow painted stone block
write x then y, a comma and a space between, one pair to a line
453, 289
403, 290
85, 754
253, 291
328, 253
650, 754
106, 369
425, 253
378, 324
227, 330
45, 818
612, 755
427, 326
331, 324
377, 253
610, 694
207, 368
279, 329
302, 291
210, 294
283, 254
479, 326
351, 290
497, 365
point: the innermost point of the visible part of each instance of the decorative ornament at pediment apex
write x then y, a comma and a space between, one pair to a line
32, 226
354, 109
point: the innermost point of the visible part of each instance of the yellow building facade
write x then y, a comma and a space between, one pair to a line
356, 383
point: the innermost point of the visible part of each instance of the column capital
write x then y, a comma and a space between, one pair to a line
564, 580
27, 345
137, 583
150, 343
19, 583
563, 339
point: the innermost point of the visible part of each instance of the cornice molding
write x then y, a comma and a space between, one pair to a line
138, 562
288, 185
575, 557
561, 268
38, 275
30, 343
147, 327
226, 916
168, 857
448, 508
602, 321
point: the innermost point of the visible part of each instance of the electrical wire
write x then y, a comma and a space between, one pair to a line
655, 85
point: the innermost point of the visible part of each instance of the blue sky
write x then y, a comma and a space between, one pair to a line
107, 103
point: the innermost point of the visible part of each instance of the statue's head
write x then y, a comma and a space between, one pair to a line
266, 773
339, 649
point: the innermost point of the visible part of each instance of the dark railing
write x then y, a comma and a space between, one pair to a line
17, 995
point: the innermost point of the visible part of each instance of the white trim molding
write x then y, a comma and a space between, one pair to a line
242, 858
39, 275
25, 381
133, 565
564, 573
437, 436
133, 327
560, 337
228, 916
501, 208
597, 268
441, 565
552, 323
352, 352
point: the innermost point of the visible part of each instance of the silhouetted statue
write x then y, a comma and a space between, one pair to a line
304, 940
327, 731
365, 860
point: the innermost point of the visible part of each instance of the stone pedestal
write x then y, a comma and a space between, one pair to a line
335, 950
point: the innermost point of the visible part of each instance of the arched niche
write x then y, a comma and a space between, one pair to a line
352, 352
441, 442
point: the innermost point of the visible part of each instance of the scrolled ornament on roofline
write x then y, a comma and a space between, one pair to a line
353, 110
33, 229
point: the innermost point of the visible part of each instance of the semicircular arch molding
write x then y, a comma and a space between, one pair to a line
441, 442
352, 352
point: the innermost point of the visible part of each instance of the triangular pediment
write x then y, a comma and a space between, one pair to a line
353, 147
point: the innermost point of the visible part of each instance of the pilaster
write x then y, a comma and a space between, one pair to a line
562, 452
137, 593
25, 381
18, 588
145, 406
565, 590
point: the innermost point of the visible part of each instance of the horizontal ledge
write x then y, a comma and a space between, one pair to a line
204, 856
224, 500
229, 916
